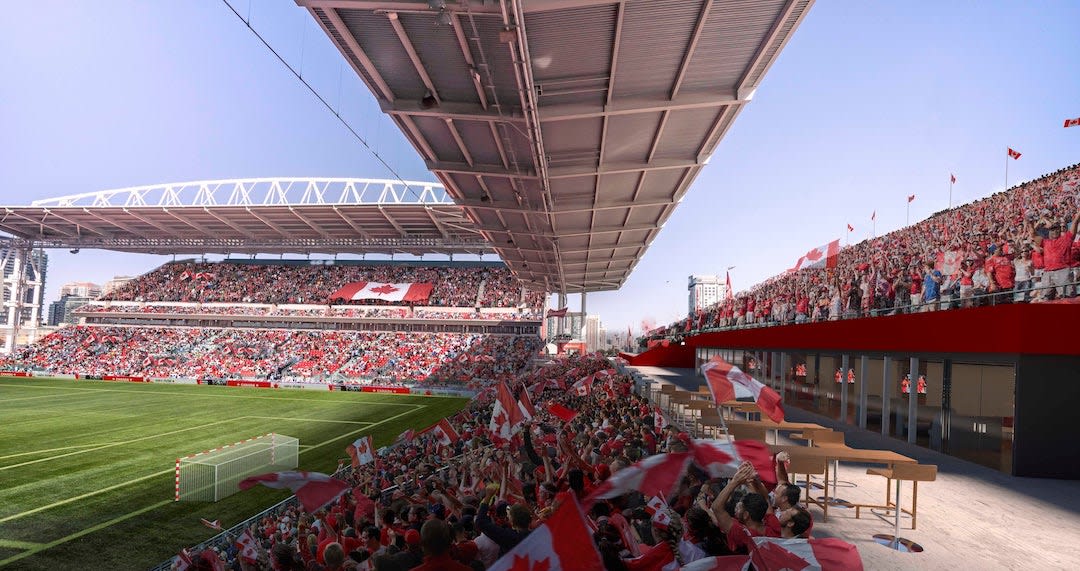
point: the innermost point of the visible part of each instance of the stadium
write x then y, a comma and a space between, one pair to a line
341, 373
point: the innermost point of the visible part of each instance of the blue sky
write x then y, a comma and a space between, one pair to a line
868, 103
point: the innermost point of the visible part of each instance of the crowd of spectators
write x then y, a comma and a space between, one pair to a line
453, 286
428, 359
258, 310
426, 505
1015, 246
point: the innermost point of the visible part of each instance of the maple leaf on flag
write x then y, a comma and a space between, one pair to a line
813, 254
384, 289
527, 564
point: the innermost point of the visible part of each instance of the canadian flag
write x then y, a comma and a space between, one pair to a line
584, 386
850, 228
249, 548
406, 436
214, 525
384, 291
653, 476
774, 554
314, 490
720, 459
561, 412
659, 420
187, 275
540, 550
727, 382
1014, 154
820, 257
525, 404
911, 198
361, 451
873, 215
952, 178
661, 518
444, 433
182, 561
505, 414
655, 504
1072, 122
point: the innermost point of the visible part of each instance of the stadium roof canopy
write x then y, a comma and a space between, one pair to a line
282, 215
567, 130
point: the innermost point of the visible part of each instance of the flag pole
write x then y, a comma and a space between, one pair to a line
950, 189
1007, 168
907, 215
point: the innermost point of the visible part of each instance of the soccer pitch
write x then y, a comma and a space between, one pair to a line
87, 468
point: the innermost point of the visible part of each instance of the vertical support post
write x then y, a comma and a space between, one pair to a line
913, 402
783, 377
885, 400
562, 320
843, 387
16, 282
864, 364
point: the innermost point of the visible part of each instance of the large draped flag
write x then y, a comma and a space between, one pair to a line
573, 550
561, 412
720, 459
384, 291
654, 476
719, 563
361, 451
774, 554
821, 257
727, 382
314, 490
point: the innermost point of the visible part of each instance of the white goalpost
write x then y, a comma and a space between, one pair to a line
213, 475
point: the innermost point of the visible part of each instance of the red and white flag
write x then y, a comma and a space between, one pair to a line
314, 490
820, 257
525, 404
249, 548
182, 561
655, 504
584, 386
727, 277
361, 451
505, 414
561, 312
1014, 154
952, 178
873, 215
727, 382
408, 436
1072, 122
720, 459
774, 554
653, 476
214, 525
540, 550
419, 291
444, 433
561, 412
911, 198
850, 228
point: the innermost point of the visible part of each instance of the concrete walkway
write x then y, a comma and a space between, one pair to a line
972, 517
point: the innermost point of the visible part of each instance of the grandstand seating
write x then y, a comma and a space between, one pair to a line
260, 281
249, 309
884, 275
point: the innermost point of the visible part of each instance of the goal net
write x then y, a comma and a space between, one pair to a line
213, 475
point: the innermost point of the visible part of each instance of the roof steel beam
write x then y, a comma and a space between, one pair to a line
39, 223
226, 222
403, 37
621, 168
354, 48
149, 222
634, 105
691, 46
467, 54
112, 222
79, 228
459, 111
482, 170
352, 224
766, 43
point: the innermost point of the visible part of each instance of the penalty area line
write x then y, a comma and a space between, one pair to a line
42, 547
32, 452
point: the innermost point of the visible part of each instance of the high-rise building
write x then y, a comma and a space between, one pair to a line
37, 261
594, 333
572, 330
63, 309
705, 291
115, 284
81, 289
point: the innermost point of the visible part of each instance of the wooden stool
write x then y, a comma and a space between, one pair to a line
807, 466
743, 432
913, 473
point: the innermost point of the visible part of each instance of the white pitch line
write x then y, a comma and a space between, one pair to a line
217, 396
310, 419
32, 452
86, 495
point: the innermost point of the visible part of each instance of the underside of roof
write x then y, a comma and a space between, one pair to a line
568, 130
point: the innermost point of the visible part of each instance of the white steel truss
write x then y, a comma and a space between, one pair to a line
262, 192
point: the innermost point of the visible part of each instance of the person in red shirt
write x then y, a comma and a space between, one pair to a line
750, 512
1002, 273
1056, 252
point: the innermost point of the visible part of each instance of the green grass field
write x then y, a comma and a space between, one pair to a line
87, 468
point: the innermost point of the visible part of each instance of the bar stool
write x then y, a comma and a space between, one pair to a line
913, 473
